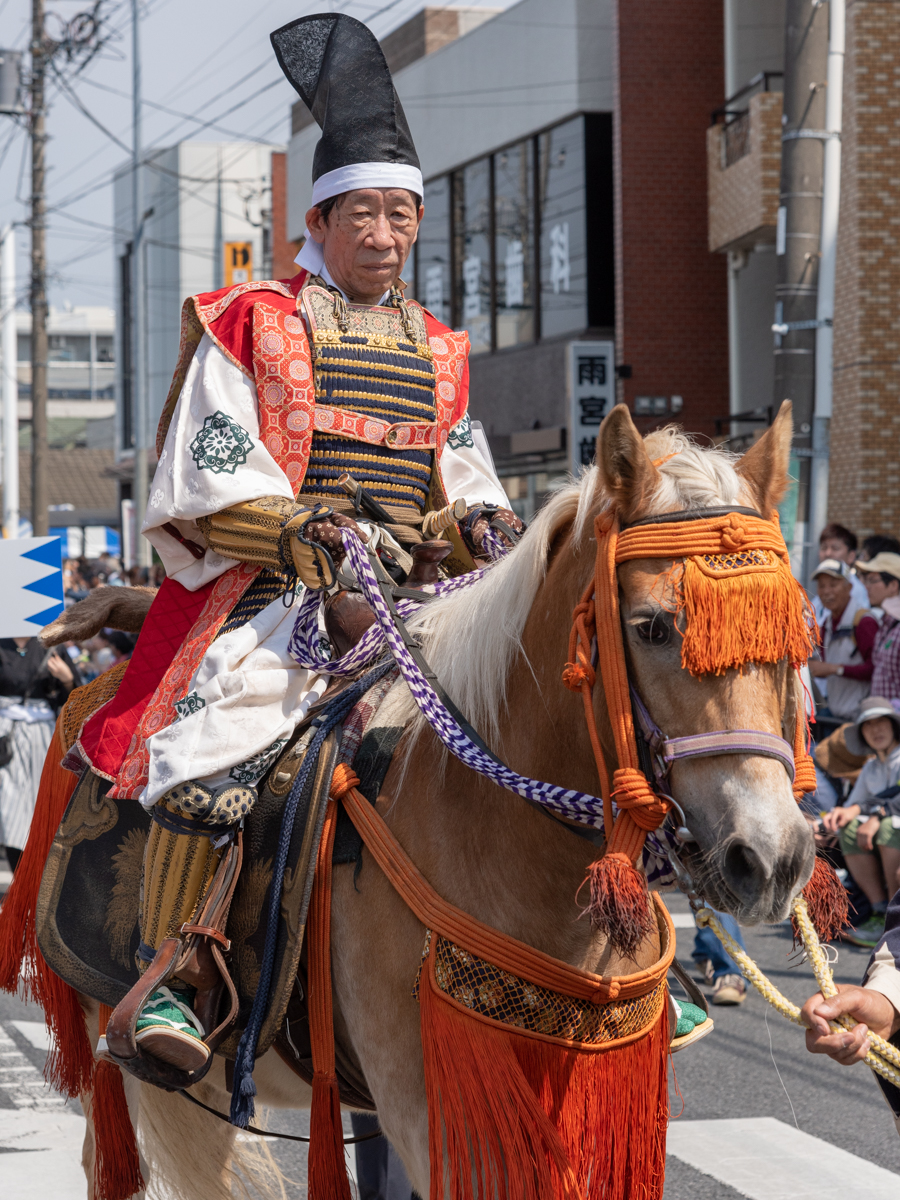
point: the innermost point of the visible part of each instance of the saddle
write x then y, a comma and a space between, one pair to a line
87, 911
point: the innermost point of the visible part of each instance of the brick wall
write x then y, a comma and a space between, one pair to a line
671, 292
864, 488
283, 251
743, 197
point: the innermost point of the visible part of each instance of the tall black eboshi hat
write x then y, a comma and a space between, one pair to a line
338, 69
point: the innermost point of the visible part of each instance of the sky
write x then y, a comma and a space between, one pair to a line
208, 71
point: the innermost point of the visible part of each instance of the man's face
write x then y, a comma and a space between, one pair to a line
834, 593
367, 239
879, 590
835, 548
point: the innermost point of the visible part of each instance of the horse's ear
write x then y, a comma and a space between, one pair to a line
626, 472
764, 467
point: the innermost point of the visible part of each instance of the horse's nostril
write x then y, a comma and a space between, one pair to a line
744, 872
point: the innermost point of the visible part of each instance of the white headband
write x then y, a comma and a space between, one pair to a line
348, 179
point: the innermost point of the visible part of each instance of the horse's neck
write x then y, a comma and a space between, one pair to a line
489, 851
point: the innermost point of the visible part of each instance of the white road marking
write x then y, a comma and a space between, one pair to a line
683, 920
765, 1159
21, 1081
41, 1155
35, 1032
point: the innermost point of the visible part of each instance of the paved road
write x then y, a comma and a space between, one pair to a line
819, 1132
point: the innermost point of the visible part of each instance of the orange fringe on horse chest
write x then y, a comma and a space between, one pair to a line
524, 1118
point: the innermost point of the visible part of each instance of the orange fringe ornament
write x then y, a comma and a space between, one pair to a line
826, 901
327, 1169
741, 603
117, 1168
518, 1118
70, 1064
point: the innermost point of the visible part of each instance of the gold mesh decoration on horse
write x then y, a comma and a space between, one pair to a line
490, 992
84, 702
720, 564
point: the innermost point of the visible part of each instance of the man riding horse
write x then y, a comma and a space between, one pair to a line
271, 404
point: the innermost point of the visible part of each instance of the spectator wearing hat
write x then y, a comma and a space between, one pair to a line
848, 632
869, 840
836, 541
881, 576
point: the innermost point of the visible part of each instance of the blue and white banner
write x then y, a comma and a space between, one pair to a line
31, 584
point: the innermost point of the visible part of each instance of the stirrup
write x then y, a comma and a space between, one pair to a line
197, 957
696, 997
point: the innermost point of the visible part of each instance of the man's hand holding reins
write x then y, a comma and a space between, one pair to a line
848, 1046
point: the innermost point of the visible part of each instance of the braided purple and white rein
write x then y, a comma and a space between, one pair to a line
306, 648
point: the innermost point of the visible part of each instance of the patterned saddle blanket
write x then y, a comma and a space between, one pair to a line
87, 916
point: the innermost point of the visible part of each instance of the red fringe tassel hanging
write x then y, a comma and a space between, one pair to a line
826, 900
117, 1168
22, 968
509, 1115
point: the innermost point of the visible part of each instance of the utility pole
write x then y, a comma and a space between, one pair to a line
143, 551
831, 203
8, 349
797, 239
39, 496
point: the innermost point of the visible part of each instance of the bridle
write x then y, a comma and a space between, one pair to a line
733, 535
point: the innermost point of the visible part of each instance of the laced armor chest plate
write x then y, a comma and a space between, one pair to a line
375, 405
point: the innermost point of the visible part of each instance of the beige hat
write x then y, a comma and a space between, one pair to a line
871, 707
884, 562
835, 568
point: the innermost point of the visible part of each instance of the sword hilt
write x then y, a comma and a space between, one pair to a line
434, 523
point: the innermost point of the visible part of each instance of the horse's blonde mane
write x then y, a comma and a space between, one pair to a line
472, 637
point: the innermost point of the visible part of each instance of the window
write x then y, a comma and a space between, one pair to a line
68, 348
433, 270
513, 218
472, 235
105, 349
561, 197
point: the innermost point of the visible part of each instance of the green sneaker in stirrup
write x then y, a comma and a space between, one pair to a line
168, 1029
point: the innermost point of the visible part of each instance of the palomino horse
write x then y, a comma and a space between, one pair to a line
499, 649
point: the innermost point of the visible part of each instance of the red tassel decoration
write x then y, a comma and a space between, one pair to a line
326, 1166
117, 1168
22, 967
826, 900
619, 906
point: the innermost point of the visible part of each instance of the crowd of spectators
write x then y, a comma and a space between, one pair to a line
856, 691
81, 576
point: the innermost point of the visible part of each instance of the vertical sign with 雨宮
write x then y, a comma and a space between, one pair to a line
592, 391
238, 263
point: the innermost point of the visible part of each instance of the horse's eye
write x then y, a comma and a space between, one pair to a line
654, 631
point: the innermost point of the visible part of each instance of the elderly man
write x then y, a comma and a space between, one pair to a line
848, 634
281, 388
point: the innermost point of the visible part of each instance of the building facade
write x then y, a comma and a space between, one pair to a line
215, 216
581, 272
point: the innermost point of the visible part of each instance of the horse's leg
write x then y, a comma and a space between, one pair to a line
376, 951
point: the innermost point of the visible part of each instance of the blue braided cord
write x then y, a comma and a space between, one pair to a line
244, 1089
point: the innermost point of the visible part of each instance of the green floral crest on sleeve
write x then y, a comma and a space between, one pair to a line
189, 704
461, 434
221, 446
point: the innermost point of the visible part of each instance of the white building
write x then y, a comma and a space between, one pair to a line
207, 223
80, 374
